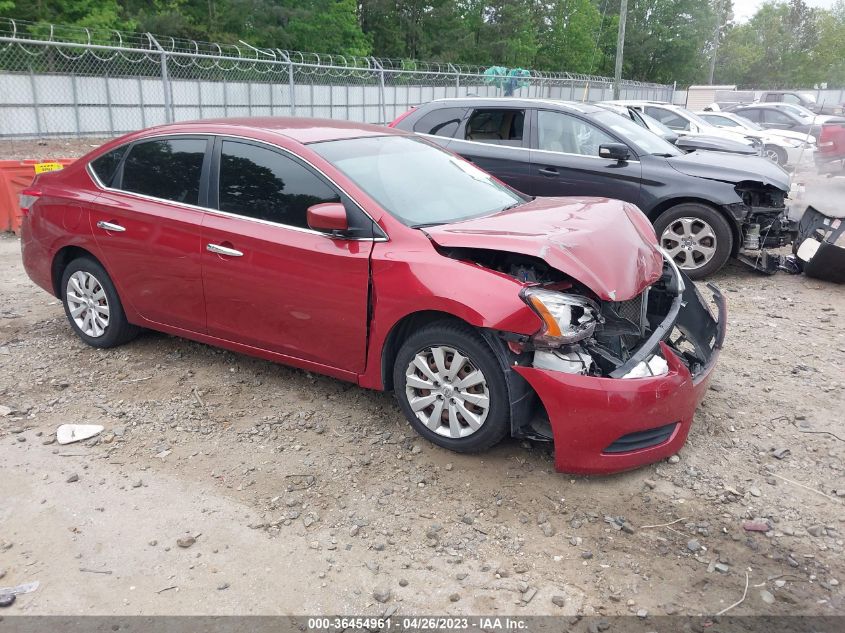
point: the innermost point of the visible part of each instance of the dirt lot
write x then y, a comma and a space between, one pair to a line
308, 495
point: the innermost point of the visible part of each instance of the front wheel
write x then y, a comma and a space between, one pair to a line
451, 388
697, 237
775, 154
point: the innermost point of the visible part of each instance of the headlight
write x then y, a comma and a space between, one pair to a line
566, 318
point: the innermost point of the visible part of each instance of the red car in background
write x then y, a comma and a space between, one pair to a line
374, 256
830, 149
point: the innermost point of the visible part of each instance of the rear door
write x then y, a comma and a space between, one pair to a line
147, 225
496, 139
270, 281
565, 160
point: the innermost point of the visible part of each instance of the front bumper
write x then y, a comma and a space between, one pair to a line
595, 420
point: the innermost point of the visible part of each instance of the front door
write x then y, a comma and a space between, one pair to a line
147, 226
270, 281
565, 161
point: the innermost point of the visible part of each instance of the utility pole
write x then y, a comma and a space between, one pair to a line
716, 40
620, 47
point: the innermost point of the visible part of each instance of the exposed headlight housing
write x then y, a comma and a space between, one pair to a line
566, 318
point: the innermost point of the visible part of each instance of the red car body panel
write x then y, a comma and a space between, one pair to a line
588, 414
330, 305
288, 281
594, 240
156, 262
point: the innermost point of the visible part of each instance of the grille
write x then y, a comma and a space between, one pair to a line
632, 311
642, 439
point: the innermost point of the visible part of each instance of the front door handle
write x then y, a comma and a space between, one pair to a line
550, 172
223, 250
110, 226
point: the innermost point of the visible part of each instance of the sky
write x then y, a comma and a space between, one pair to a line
744, 9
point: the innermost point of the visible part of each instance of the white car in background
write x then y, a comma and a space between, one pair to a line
684, 122
783, 147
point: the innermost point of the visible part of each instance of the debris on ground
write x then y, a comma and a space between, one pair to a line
69, 433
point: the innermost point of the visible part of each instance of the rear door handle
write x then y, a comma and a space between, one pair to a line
549, 171
110, 226
223, 250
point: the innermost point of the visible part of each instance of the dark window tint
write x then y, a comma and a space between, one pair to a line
259, 182
106, 165
442, 122
502, 127
165, 168
773, 97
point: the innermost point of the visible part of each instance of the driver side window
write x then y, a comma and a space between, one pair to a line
559, 132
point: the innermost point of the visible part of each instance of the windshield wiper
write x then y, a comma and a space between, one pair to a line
664, 155
425, 225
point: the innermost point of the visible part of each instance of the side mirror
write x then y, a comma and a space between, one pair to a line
614, 151
328, 216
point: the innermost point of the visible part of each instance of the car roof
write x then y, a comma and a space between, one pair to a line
302, 130
518, 102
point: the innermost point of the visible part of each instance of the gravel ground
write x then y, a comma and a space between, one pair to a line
296, 493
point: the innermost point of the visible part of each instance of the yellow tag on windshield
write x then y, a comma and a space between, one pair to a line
41, 168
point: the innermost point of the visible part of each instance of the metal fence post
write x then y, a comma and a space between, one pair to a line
165, 81
381, 95
35, 101
457, 80
291, 85
75, 104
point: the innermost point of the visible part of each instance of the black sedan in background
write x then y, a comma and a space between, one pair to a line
705, 206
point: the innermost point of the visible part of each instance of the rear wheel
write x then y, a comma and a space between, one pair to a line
697, 237
92, 305
451, 388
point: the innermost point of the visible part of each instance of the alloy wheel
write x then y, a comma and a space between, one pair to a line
87, 303
690, 242
447, 392
772, 155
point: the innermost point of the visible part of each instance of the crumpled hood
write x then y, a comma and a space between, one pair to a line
607, 245
731, 168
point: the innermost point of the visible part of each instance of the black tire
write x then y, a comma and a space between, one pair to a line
476, 350
779, 152
117, 330
702, 215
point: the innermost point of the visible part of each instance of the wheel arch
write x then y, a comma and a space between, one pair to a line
401, 330
61, 259
665, 205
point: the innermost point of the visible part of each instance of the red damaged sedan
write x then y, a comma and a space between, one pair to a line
376, 257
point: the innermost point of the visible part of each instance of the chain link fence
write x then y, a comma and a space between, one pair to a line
66, 81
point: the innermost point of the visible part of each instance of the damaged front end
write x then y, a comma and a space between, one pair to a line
617, 382
763, 225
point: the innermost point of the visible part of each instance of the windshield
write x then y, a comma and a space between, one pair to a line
643, 140
417, 183
748, 123
692, 116
801, 111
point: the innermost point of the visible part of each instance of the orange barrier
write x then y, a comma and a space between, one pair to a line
16, 175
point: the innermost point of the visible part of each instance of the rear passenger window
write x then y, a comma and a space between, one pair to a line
165, 168
500, 127
442, 122
258, 182
106, 165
